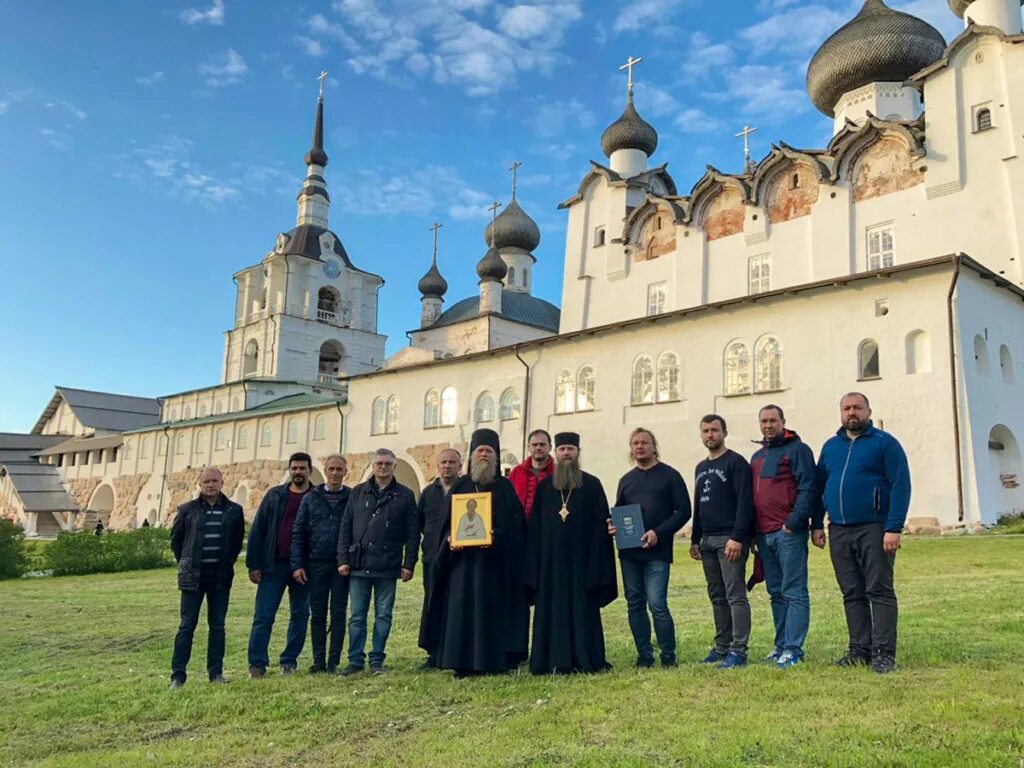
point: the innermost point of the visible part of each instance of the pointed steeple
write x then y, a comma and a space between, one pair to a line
313, 198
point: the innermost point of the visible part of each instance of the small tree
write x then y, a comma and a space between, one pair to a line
13, 557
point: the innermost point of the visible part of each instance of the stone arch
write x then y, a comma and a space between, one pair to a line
241, 497
101, 505
329, 365
919, 352
884, 166
1007, 471
328, 301
250, 360
405, 473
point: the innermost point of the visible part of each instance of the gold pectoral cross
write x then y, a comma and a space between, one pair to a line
563, 512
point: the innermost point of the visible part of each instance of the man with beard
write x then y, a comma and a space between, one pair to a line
478, 618
526, 476
570, 567
430, 512
865, 479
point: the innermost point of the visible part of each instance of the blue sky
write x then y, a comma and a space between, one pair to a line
149, 150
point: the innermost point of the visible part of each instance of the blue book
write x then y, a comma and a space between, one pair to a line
629, 526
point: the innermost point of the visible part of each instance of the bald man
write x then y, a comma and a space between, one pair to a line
206, 538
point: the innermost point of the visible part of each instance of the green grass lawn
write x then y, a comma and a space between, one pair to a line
84, 669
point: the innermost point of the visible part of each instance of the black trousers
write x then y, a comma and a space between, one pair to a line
865, 575
428, 585
216, 613
328, 596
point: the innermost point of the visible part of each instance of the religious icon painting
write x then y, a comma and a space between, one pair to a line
471, 519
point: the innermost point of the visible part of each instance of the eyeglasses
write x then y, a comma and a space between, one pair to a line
383, 463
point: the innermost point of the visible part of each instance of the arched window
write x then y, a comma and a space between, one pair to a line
201, 440
867, 360
981, 355
377, 417
220, 439
329, 365
737, 368
242, 442
642, 390
174, 414
484, 410
291, 434
1006, 363
327, 304
432, 408
449, 406
511, 275
161, 446
188, 412
509, 407
179, 445
320, 427
236, 404
127, 451
202, 410
250, 359
391, 419
984, 119
919, 352
599, 236
266, 436
218, 408
767, 365
668, 378
144, 448
565, 392
585, 385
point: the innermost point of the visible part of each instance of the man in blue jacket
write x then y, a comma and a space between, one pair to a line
865, 480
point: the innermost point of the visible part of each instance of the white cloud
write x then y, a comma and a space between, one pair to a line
311, 46
168, 165
815, 22
696, 120
79, 113
432, 190
155, 77
767, 93
525, 22
214, 16
643, 15
705, 56
652, 100
555, 118
224, 69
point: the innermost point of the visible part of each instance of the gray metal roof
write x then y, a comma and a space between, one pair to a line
513, 228
630, 131
102, 410
879, 45
39, 487
516, 307
16, 447
82, 444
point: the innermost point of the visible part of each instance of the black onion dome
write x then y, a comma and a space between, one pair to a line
491, 266
629, 132
878, 45
513, 228
432, 284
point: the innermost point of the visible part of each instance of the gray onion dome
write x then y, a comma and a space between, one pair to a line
878, 45
432, 283
491, 266
513, 228
630, 131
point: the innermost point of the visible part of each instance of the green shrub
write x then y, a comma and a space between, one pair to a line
73, 554
13, 558
1010, 522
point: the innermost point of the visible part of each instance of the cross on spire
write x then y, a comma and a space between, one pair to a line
515, 168
434, 229
321, 78
628, 66
494, 218
745, 133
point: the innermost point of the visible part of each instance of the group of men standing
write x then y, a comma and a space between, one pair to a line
551, 546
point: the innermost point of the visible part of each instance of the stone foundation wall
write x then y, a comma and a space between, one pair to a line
126, 497
425, 457
257, 476
81, 490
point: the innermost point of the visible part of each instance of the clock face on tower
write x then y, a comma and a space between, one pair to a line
331, 269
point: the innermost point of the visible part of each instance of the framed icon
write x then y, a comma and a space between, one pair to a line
471, 519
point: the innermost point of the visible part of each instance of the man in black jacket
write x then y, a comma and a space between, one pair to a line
206, 538
315, 562
379, 524
268, 559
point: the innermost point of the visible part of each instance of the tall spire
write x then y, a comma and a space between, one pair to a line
313, 197
316, 154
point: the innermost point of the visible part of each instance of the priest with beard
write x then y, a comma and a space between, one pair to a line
477, 621
570, 567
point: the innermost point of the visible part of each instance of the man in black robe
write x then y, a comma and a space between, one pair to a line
570, 567
478, 620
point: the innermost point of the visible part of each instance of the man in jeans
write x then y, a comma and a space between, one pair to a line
315, 563
865, 480
785, 507
526, 475
665, 505
377, 545
206, 538
268, 558
723, 518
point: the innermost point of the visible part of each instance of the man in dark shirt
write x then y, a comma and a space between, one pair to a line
430, 511
665, 505
723, 514
268, 559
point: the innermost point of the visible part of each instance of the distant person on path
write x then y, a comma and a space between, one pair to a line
786, 507
268, 558
865, 480
723, 521
526, 475
315, 563
145, 523
98, 530
206, 538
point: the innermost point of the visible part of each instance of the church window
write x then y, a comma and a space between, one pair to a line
449, 406
327, 301
767, 364
127, 451
320, 427
179, 445
565, 392
291, 434
201, 440
267, 436
1006, 364
432, 409
144, 448
526, 280
251, 358
161, 448
377, 417
867, 360
242, 442
668, 378
391, 417
881, 246
511, 275
642, 391
737, 368
983, 119
484, 410
981, 355
220, 439
759, 271
657, 223
599, 235
656, 297
509, 405
795, 181
585, 386
174, 414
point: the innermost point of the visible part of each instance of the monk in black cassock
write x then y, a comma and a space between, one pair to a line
570, 566
478, 620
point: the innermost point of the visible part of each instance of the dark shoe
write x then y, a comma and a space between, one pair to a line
287, 670
427, 665
851, 659
732, 660
669, 662
218, 679
317, 669
351, 669
256, 672
376, 669
644, 663
176, 683
883, 663
462, 674
713, 657
332, 669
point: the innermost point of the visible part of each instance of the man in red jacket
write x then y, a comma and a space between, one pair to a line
527, 475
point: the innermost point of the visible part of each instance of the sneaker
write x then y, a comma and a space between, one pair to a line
669, 662
773, 657
376, 669
287, 670
256, 672
851, 659
176, 683
713, 657
220, 679
732, 659
644, 663
788, 659
351, 669
317, 669
883, 663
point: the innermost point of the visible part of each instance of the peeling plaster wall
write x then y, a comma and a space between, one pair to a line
884, 168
